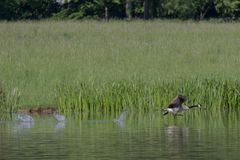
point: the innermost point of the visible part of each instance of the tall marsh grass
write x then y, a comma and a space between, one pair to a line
89, 100
9, 103
94, 66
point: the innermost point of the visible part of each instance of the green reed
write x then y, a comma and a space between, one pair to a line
36, 56
9, 102
89, 100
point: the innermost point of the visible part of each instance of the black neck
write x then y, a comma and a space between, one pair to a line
196, 105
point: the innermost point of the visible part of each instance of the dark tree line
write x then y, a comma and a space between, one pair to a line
27, 9
119, 9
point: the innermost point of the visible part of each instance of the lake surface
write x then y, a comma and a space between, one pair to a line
139, 137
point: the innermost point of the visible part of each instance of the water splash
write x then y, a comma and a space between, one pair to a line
121, 118
24, 118
58, 117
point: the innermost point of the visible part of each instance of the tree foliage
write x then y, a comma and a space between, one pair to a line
79, 9
7, 9
27, 9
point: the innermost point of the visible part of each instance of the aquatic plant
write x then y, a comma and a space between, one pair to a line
36, 56
9, 103
90, 100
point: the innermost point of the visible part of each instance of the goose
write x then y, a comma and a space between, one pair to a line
176, 106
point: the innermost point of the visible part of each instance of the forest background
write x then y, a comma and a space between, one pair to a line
119, 9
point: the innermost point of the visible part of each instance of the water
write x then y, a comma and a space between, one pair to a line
139, 137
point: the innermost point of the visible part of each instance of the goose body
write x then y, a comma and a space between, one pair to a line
176, 110
176, 106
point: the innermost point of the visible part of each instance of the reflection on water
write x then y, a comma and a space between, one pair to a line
176, 138
137, 137
176, 135
60, 125
22, 125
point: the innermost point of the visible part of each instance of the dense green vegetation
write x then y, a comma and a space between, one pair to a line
98, 9
106, 67
112, 98
9, 101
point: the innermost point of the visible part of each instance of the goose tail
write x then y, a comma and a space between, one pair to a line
165, 111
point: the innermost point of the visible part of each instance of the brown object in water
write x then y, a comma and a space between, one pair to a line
39, 110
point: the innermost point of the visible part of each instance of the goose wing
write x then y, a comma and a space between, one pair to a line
177, 101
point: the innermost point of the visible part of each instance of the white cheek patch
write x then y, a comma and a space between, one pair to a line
170, 110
